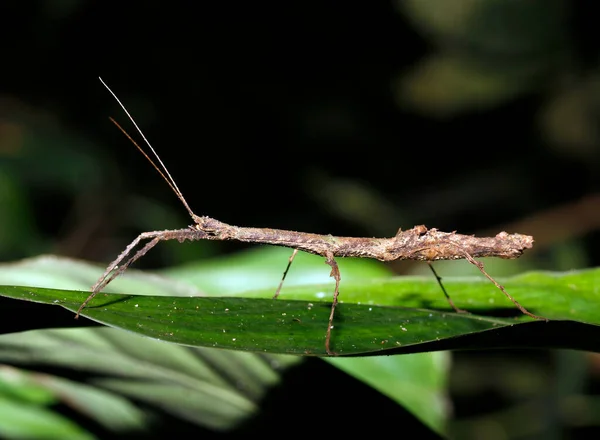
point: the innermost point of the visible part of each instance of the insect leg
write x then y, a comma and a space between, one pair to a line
479, 266
291, 259
439, 280
335, 273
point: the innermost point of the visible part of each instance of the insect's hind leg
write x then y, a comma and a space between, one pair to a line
439, 280
479, 266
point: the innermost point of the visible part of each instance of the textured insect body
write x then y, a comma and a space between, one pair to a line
418, 243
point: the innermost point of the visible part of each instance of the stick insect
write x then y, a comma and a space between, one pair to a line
418, 243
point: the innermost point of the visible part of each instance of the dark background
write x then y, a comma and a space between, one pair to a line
287, 115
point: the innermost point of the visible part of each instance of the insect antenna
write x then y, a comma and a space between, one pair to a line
162, 169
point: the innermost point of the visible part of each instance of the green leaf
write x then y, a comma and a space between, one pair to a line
364, 323
216, 389
379, 314
262, 325
18, 385
24, 412
418, 381
113, 412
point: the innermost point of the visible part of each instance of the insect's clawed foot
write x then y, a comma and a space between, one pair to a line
328, 350
539, 318
78, 312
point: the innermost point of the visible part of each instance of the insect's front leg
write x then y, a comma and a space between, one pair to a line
114, 270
